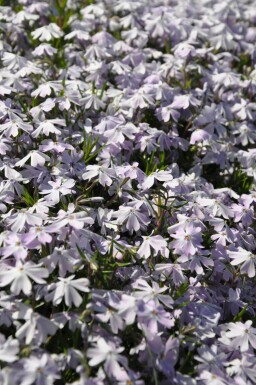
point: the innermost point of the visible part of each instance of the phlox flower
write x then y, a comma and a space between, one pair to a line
19, 276
54, 190
246, 134
152, 316
161, 176
233, 302
41, 207
243, 212
14, 245
4, 142
79, 34
128, 308
166, 111
76, 220
48, 126
64, 260
131, 171
37, 236
37, 158
244, 110
44, 49
18, 220
104, 174
38, 112
109, 314
39, 370
120, 132
169, 356
68, 288
57, 146
224, 236
64, 102
155, 242
36, 327
214, 377
197, 261
92, 101
23, 16
147, 143
104, 220
184, 51
188, 240
209, 357
243, 334
108, 354
72, 163
5, 90
9, 349
243, 368
147, 293
131, 217
140, 99
217, 208
172, 270
123, 258
244, 258
13, 61
130, 378
47, 32
45, 90
14, 125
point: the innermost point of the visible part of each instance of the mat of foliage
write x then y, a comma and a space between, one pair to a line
128, 192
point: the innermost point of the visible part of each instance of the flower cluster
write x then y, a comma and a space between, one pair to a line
128, 192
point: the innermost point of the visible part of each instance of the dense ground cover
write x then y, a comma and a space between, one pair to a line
127, 192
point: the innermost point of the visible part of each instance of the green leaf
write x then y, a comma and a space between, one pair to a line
181, 290
122, 264
88, 259
27, 198
239, 316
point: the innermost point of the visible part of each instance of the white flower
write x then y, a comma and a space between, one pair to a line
36, 326
37, 158
8, 349
54, 190
39, 370
68, 288
18, 220
247, 260
47, 32
18, 276
14, 245
107, 353
103, 173
46, 89
13, 61
155, 242
92, 101
48, 126
77, 220
243, 335
147, 293
131, 217
12, 127
44, 49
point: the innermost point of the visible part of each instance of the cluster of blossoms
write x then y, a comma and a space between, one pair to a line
128, 192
